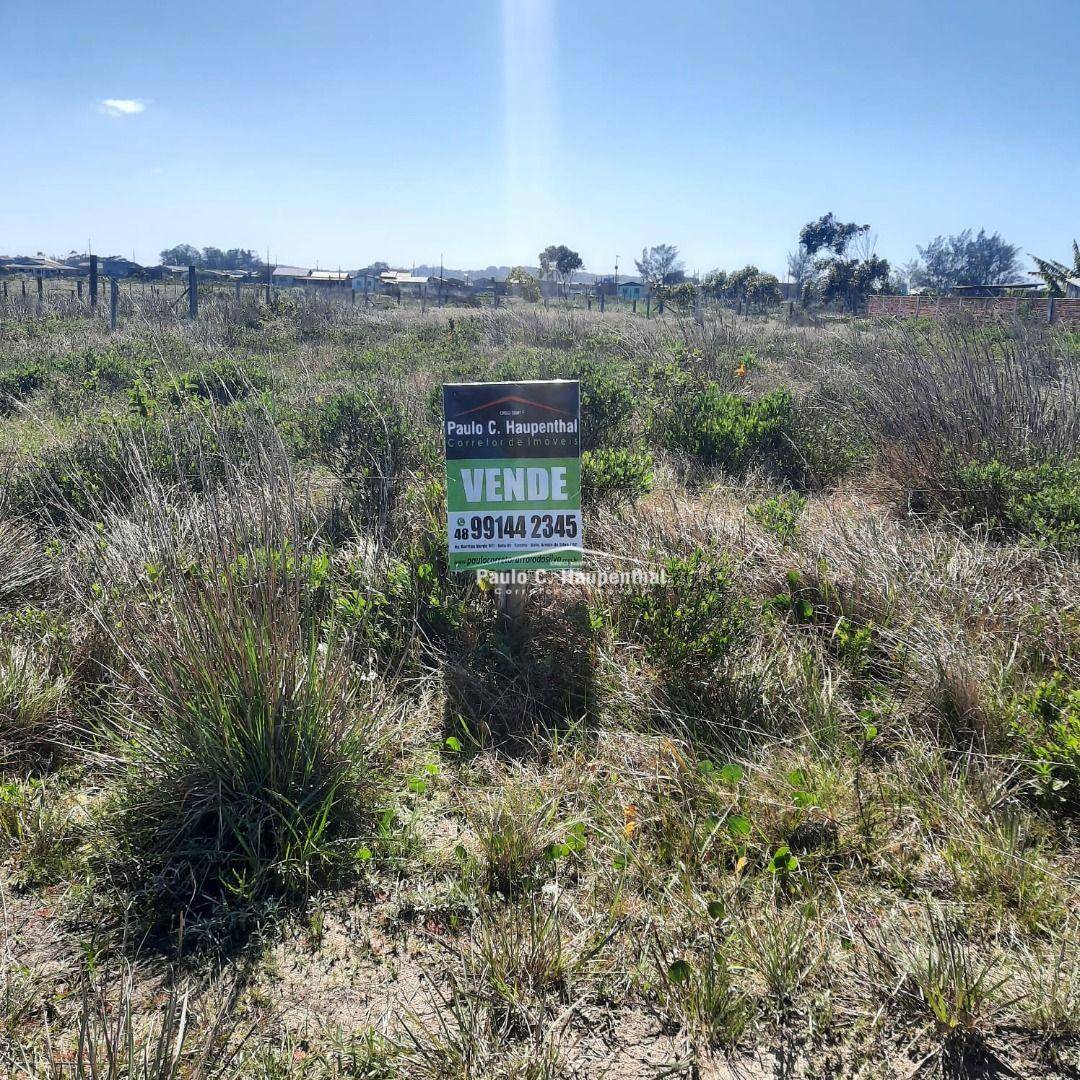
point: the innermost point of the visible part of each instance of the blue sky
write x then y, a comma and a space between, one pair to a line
340, 133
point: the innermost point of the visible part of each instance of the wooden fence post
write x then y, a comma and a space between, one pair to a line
238, 290
648, 306
633, 305
40, 291
193, 293
114, 302
93, 282
22, 282
1050, 311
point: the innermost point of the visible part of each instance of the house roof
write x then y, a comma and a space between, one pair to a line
1005, 285
291, 271
401, 277
327, 275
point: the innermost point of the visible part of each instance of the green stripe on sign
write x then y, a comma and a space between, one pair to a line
513, 484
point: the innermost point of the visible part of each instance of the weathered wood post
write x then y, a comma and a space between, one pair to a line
660, 307
633, 306
40, 290
648, 306
602, 300
93, 282
78, 290
588, 301
238, 291
114, 302
193, 292
510, 602
1050, 311
22, 282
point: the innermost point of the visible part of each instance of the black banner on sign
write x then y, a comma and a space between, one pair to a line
519, 419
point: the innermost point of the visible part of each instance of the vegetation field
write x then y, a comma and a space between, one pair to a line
282, 798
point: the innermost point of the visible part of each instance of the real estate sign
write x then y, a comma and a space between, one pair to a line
513, 475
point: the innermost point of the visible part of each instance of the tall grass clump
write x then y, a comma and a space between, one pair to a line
978, 421
247, 760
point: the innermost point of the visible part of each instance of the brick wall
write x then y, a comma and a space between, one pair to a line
1065, 312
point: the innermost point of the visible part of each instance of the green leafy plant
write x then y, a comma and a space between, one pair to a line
728, 430
779, 515
615, 475
696, 620
1039, 502
1046, 721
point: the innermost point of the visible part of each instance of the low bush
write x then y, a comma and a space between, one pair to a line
615, 475
608, 402
222, 382
1046, 722
19, 383
1038, 502
728, 430
693, 629
779, 515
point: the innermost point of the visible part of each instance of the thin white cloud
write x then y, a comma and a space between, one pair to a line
122, 106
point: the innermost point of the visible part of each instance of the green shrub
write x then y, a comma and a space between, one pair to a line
1038, 502
608, 402
1046, 722
19, 383
615, 475
779, 515
222, 382
695, 621
728, 430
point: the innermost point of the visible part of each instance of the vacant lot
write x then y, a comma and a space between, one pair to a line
282, 798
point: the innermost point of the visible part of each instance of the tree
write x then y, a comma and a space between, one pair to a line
559, 262
833, 273
853, 280
181, 255
763, 290
660, 265
828, 234
739, 280
800, 264
964, 259
715, 284
211, 258
526, 283
1057, 275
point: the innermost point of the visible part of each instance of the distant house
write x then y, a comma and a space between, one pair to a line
38, 265
398, 281
631, 290
300, 277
